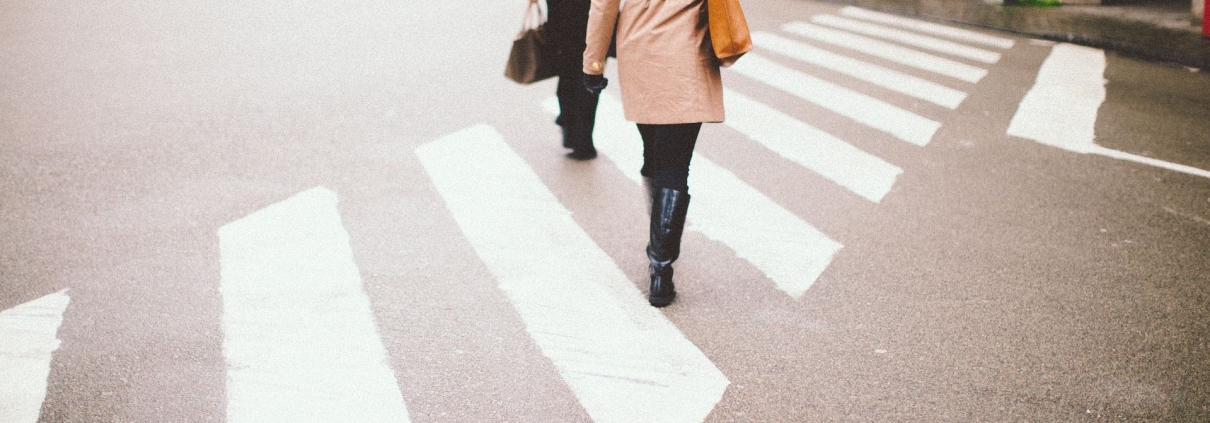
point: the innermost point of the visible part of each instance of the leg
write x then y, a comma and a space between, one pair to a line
567, 23
577, 115
667, 150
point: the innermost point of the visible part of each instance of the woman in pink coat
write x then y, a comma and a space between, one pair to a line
670, 85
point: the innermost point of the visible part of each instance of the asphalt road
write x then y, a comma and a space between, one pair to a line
997, 279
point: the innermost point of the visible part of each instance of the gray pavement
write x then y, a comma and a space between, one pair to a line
1157, 30
999, 279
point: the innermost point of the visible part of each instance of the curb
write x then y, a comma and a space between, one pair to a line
1130, 38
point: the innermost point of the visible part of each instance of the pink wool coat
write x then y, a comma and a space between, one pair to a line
666, 66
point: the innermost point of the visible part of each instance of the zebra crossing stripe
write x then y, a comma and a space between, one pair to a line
862, 108
623, 359
28, 340
830, 157
926, 90
1060, 110
788, 250
300, 338
909, 38
928, 27
888, 51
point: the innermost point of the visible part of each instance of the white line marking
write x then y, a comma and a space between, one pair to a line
922, 41
621, 357
791, 252
928, 27
862, 108
926, 90
1061, 108
28, 340
887, 51
833, 158
300, 338
1176, 167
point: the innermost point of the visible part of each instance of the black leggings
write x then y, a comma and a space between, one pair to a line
577, 108
667, 150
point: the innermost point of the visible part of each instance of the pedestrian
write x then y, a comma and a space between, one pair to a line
670, 85
565, 31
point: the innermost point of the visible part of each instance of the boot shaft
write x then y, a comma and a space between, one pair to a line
668, 210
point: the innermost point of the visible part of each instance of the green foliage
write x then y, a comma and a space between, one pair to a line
1042, 3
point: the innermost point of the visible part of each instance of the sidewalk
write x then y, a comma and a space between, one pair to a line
1156, 30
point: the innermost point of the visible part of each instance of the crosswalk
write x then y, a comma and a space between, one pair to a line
909, 38
791, 252
1061, 109
861, 108
300, 340
921, 88
622, 358
838, 161
27, 340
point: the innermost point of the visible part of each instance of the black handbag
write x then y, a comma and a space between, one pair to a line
531, 58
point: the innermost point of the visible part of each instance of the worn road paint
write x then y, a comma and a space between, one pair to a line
299, 335
899, 82
888, 51
787, 249
928, 27
621, 357
1060, 110
863, 109
836, 160
904, 37
28, 340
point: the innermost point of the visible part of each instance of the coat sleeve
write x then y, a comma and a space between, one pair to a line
602, 18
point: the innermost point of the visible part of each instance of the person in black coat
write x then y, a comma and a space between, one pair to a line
565, 28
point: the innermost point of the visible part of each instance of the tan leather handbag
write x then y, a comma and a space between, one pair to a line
530, 59
728, 30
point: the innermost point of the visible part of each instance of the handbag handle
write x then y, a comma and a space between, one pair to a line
533, 16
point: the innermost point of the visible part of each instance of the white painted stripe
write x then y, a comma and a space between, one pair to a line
888, 51
830, 157
926, 90
1121, 155
28, 340
928, 27
904, 37
1061, 108
621, 357
791, 252
862, 108
300, 339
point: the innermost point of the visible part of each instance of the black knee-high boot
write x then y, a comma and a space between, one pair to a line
668, 209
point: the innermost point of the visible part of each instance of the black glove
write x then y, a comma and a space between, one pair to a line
595, 83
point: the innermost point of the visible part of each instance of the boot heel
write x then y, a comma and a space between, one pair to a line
662, 291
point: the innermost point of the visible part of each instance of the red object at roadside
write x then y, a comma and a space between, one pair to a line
1206, 19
